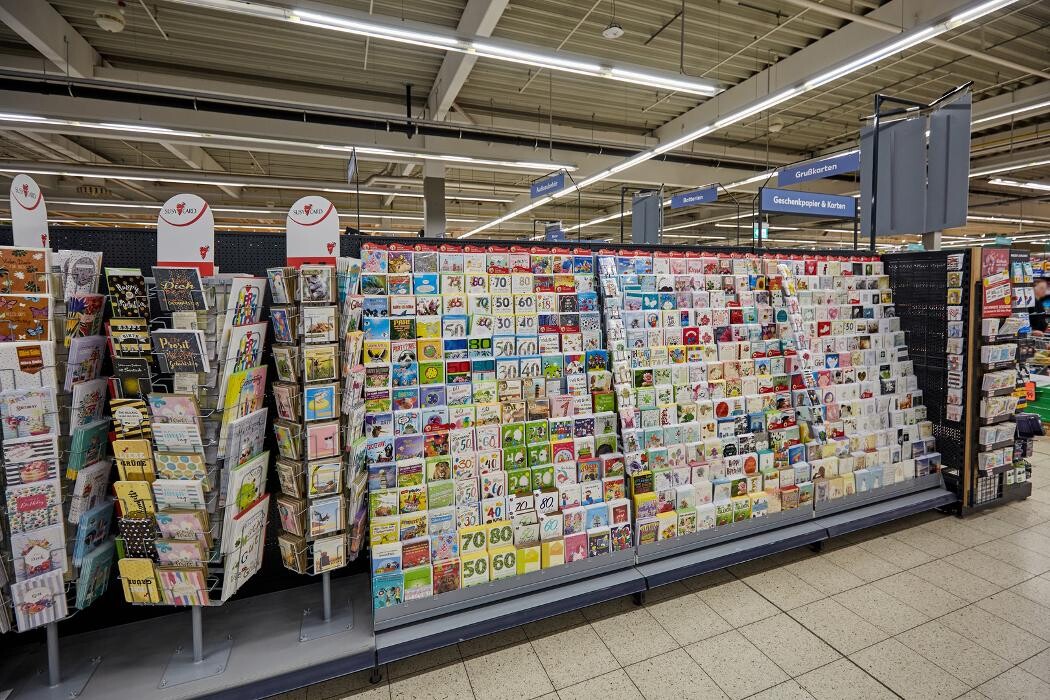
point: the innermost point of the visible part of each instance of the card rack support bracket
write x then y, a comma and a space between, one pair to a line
200, 660
326, 621
52, 684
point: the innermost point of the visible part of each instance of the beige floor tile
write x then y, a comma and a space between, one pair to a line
990, 524
893, 550
353, 683
615, 684
557, 623
1036, 589
672, 676
788, 690
843, 679
928, 541
736, 665
773, 561
688, 618
1026, 614
988, 568
824, 575
994, 634
633, 636
881, 609
510, 673
421, 662
906, 673
715, 578
573, 655
491, 642
862, 563
790, 646
1021, 557
1038, 665
783, 588
1023, 515
971, 695
446, 682
958, 530
1015, 684
671, 590
616, 606
959, 656
956, 581
737, 603
840, 627
920, 594
548, 696
1030, 539
380, 691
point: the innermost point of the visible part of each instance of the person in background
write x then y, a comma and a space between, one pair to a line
1038, 313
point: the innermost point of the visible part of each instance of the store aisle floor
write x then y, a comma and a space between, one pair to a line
928, 607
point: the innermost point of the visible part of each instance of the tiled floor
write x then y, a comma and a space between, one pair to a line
930, 607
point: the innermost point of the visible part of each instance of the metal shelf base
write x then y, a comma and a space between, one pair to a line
75, 679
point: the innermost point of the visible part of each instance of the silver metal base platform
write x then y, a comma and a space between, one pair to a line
75, 677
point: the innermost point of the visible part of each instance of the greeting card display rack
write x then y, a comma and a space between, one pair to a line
41, 444
272, 661
317, 350
1002, 292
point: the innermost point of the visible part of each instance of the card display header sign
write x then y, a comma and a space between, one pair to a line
819, 169
28, 213
547, 185
313, 232
186, 234
688, 199
553, 231
808, 203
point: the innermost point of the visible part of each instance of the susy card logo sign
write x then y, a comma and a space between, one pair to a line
28, 213
312, 225
186, 234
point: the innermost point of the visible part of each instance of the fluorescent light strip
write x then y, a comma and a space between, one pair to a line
445, 40
1007, 220
1041, 186
1012, 112
995, 169
73, 172
906, 40
361, 150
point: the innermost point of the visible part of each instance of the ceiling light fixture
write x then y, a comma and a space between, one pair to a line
905, 40
1012, 112
362, 151
440, 38
995, 169
1041, 186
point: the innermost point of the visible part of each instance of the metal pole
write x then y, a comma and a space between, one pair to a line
54, 669
874, 170
623, 189
326, 593
198, 634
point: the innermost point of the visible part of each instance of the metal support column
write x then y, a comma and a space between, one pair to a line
434, 199
931, 240
325, 621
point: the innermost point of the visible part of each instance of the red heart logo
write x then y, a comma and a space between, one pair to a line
25, 190
307, 208
204, 251
331, 247
179, 207
43, 239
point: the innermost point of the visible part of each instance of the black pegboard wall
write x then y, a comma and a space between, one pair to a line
920, 294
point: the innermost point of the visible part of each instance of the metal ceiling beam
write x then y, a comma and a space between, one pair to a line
479, 18
236, 132
72, 150
871, 21
1030, 96
199, 159
48, 32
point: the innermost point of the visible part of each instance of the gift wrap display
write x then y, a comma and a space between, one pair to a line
490, 425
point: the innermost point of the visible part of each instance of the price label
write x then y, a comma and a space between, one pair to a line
474, 568
472, 539
503, 562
